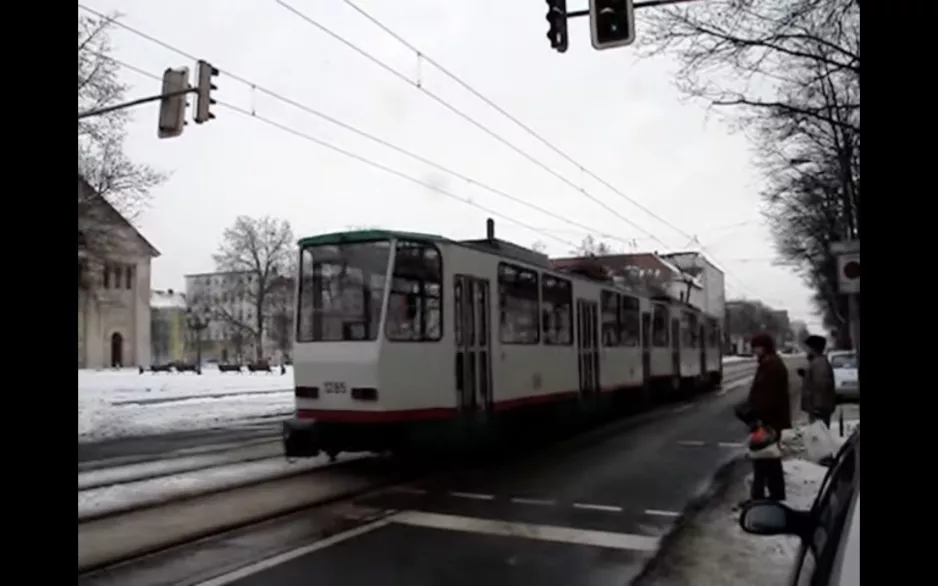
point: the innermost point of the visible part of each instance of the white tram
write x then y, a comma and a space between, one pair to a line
411, 340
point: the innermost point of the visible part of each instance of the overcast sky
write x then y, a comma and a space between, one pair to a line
618, 116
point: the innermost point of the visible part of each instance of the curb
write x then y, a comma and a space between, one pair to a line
721, 479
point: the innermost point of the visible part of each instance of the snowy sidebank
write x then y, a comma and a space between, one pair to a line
124, 403
712, 550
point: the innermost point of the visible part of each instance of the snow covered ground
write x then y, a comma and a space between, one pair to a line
122, 403
713, 549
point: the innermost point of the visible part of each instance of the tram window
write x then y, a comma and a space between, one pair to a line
415, 303
610, 310
630, 321
519, 312
659, 326
690, 330
557, 311
341, 291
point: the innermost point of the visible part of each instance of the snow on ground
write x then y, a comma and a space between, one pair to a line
732, 359
122, 403
123, 497
712, 549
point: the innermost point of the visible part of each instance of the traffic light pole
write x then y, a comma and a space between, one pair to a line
133, 103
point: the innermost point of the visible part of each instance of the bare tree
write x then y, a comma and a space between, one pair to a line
539, 246
786, 72
593, 247
255, 253
109, 182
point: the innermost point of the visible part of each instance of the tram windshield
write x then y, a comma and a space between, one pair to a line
342, 289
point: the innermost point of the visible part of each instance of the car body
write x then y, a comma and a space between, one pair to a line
829, 554
846, 367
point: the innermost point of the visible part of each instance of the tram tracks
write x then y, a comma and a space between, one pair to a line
127, 533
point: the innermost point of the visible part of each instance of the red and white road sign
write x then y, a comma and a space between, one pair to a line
848, 273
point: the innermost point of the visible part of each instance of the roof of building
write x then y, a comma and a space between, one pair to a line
115, 215
168, 299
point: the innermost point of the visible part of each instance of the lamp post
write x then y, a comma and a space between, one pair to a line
197, 321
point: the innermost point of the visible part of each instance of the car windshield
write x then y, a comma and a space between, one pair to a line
844, 361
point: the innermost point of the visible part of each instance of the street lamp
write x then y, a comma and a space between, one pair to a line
197, 321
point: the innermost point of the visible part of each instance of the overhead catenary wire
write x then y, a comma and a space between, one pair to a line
362, 159
378, 140
420, 158
458, 112
421, 87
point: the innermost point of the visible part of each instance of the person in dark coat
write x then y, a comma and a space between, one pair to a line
769, 404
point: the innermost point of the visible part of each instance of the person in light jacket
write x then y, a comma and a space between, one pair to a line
818, 396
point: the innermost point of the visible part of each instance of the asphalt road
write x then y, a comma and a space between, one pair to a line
591, 514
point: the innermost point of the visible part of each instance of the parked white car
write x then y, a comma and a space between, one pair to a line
846, 375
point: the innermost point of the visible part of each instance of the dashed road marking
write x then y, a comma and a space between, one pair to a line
683, 408
527, 501
731, 445
692, 443
473, 495
659, 513
607, 539
409, 490
607, 508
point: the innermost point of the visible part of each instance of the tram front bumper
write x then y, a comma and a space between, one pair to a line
300, 439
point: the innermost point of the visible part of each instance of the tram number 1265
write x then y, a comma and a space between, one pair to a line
333, 388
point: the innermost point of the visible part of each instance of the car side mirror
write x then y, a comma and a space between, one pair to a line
801, 372
773, 518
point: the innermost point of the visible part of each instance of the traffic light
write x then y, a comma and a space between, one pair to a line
557, 18
204, 101
612, 23
173, 105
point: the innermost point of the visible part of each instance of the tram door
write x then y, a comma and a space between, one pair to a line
587, 345
473, 332
676, 346
646, 347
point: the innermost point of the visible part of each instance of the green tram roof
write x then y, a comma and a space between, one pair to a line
364, 236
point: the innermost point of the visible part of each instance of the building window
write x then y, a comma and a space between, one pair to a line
415, 311
107, 276
557, 311
129, 273
518, 305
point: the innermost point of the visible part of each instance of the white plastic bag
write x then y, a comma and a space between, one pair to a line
769, 451
818, 441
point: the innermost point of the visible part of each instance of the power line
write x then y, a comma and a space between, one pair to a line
422, 55
463, 115
349, 154
305, 108
428, 162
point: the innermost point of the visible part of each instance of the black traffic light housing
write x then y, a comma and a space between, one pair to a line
557, 18
205, 77
612, 23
